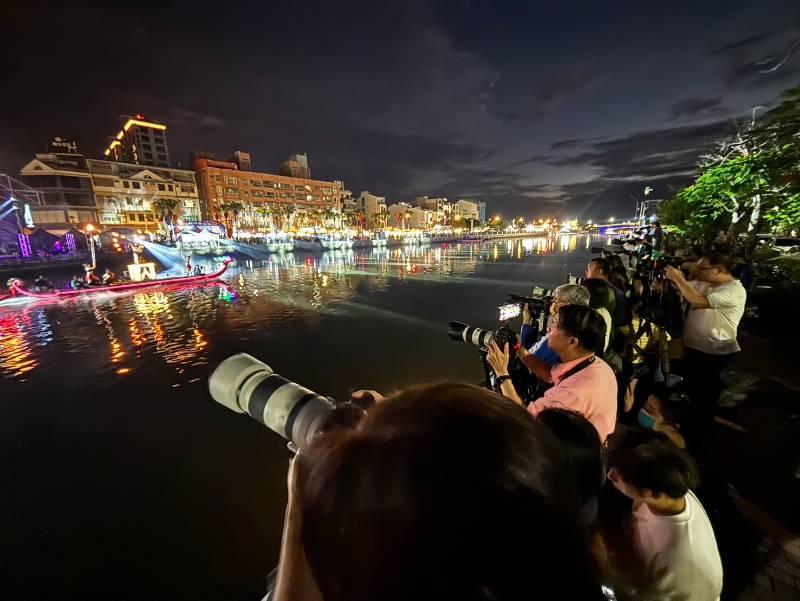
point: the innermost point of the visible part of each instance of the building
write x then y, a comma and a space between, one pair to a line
296, 166
373, 207
482, 212
79, 190
223, 183
404, 216
349, 205
466, 210
441, 207
66, 187
139, 142
125, 194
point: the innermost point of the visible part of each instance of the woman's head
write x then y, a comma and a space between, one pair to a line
443, 491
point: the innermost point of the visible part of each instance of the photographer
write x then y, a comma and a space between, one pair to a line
445, 491
615, 301
716, 300
582, 382
542, 357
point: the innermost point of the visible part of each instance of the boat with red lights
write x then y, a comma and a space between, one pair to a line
179, 281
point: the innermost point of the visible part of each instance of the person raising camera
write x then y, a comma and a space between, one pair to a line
716, 304
581, 381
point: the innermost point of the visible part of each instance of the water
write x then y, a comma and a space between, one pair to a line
124, 480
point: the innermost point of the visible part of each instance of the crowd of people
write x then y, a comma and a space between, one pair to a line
451, 491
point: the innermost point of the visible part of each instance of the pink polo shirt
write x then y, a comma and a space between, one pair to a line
592, 392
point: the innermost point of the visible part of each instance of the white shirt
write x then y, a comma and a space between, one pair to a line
606, 318
713, 330
679, 552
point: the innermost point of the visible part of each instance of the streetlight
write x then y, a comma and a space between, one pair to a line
611, 220
90, 243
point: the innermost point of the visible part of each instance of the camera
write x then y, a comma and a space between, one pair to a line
244, 384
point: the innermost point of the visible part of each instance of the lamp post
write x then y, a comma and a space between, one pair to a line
90, 242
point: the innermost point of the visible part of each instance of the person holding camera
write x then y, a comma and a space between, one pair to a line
716, 302
581, 381
541, 357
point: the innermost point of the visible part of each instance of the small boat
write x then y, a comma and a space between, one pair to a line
16, 285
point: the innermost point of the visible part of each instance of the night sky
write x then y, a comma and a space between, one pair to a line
562, 108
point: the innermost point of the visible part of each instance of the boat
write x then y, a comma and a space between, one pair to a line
17, 288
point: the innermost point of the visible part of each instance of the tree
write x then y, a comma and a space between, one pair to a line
266, 213
748, 182
230, 212
164, 211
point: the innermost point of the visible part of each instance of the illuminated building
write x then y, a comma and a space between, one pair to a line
441, 207
79, 190
140, 142
372, 206
225, 182
403, 215
466, 209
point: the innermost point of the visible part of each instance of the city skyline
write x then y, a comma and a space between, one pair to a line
539, 110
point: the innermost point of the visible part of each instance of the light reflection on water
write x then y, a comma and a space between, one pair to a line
117, 335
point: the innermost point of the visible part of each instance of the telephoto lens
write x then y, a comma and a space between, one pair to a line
465, 333
244, 384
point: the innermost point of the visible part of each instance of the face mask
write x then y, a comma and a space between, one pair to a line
646, 420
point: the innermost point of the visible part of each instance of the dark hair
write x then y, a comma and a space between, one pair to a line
442, 491
657, 224
648, 459
618, 277
719, 260
582, 449
602, 264
583, 323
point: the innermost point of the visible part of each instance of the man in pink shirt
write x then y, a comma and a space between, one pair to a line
582, 382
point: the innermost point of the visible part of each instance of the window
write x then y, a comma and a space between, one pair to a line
126, 184
255, 182
148, 155
284, 195
162, 188
232, 191
231, 180
326, 190
171, 188
270, 194
68, 181
246, 193
299, 187
161, 148
187, 189
136, 185
300, 196
217, 178
258, 193
307, 188
219, 190
162, 157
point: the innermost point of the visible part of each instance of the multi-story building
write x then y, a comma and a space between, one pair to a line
80, 190
402, 215
466, 209
349, 205
441, 207
482, 212
66, 186
296, 166
140, 142
128, 194
223, 183
373, 207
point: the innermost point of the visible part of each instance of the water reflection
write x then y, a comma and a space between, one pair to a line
115, 336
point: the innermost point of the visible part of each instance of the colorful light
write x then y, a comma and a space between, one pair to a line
24, 245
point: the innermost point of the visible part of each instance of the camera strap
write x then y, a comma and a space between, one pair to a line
580, 366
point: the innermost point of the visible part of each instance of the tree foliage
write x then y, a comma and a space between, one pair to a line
749, 183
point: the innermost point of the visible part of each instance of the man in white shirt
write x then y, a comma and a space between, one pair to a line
716, 302
676, 551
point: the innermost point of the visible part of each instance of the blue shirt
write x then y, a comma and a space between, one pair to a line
538, 349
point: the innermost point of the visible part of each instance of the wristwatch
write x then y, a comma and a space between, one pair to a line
500, 379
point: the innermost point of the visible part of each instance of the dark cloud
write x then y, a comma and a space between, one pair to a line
745, 42
696, 108
573, 142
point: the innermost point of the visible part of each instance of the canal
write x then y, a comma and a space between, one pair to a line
123, 479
